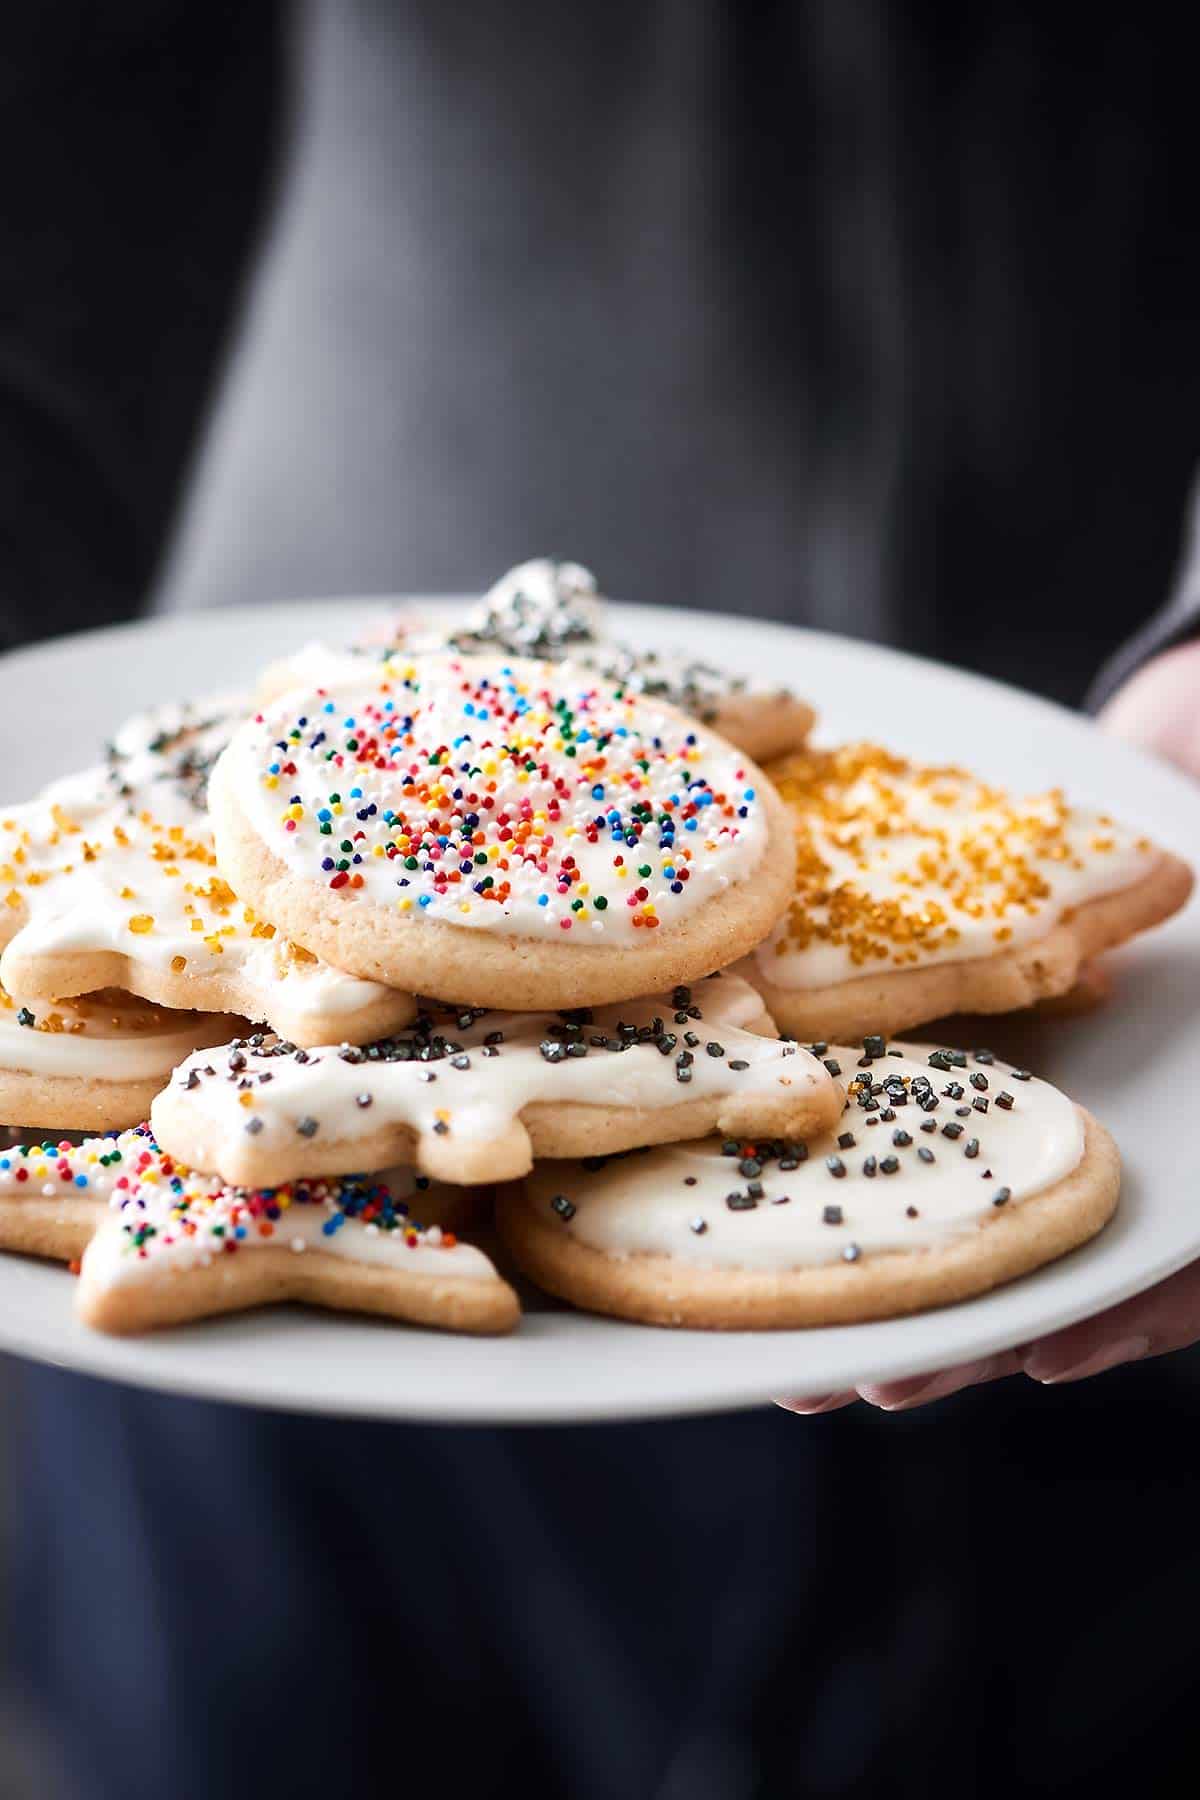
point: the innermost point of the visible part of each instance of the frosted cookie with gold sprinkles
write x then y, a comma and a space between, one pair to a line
474, 1096
923, 891
161, 1244
553, 611
948, 1174
109, 880
501, 833
96, 1062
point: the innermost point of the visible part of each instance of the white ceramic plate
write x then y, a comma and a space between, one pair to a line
1129, 1064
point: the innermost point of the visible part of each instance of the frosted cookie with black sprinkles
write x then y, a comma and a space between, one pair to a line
501, 833
96, 1062
474, 1096
948, 1174
161, 1244
553, 611
109, 880
923, 891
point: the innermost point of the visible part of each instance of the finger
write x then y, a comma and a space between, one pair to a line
1166, 1317
899, 1396
1157, 709
816, 1403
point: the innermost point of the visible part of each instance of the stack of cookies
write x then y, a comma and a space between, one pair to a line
505, 928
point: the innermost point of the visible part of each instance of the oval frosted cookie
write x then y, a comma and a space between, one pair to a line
109, 880
923, 891
947, 1175
474, 1096
96, 1062
162, 1244
501, 833
553, 610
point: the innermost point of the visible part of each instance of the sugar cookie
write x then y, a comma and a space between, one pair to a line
161, 1244
501, 833
924, 891
947, 1175
109, 880
474, 1096
552, 611
96, 1062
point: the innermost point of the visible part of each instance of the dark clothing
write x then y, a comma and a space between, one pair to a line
867, 319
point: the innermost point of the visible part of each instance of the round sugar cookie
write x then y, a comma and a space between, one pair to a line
473, 1096
96, 1062
553, 611
946, 1175
109, 880
922, 892
501, 833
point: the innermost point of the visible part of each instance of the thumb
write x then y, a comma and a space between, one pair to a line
1159, 708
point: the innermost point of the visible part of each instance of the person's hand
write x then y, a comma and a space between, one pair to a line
1158, 709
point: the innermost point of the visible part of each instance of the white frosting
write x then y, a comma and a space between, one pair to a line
901, 866
541, 608
525, 779
656, 1201
155, 1218
120, 858
272, 1096
102, 1037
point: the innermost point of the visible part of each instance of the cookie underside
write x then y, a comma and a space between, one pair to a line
656, 1290
66, 974
264, 1277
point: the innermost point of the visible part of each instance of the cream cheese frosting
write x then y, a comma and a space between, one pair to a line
110, 1036
931, 1146
466, 1074
525, 799
155, 1217
119, 858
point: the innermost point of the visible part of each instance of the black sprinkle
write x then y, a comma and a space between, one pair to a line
441, 1127
563, 1207
846, 1141
952, 1130
834, 1067
739, 1202
979, 1103
836, 1167
831, 1215
851, 1253
1004, 1102
928, 1124
901, 1139
363, 1100
253, 1127
307, 1126
869, 1168
890, 1164
911, 1212
979, 1081
972, 1147
25, 1017
193, 1080
983, 1056
1001, 1197
460, 1062
739, 1065
926, 1154
1020, 1075
715, 1049
874, 1046
699, 1226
